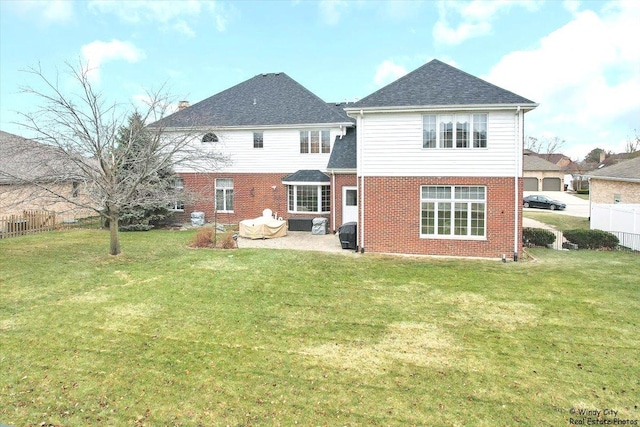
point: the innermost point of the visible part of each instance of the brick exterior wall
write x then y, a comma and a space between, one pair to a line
340, 181
392, 218
252, 194
603, 191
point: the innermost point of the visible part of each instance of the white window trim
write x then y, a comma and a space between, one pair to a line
224, 196
320, 131
178, 184
453, 201
319, 186
453, 115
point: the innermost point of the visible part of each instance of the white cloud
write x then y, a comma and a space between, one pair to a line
571, 5
388, 72
47, 13
585, 76
474, 18
98, 52
171, 14
331, 10
184, 28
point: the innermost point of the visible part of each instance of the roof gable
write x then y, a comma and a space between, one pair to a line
625, 170
25, 160
440, 84
264, 100
535, 163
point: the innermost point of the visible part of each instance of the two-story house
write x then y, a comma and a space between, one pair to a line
429, 164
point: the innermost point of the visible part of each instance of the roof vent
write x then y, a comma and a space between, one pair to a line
182, 105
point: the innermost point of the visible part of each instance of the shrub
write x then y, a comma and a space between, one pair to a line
592, 239
538, 236
227, 241
203, 238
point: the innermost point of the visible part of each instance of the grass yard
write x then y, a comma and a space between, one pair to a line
559, 221
165, 335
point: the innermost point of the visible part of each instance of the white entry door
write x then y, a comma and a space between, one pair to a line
349, 204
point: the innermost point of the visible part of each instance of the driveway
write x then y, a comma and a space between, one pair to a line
576, 206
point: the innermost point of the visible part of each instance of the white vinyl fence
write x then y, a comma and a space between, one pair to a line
623, 220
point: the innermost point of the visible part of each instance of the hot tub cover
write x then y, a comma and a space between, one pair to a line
263, 228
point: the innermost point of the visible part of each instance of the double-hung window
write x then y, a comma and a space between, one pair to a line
309, 198
224, 194
453, 211
258, 140
454, 131
178, 186
315, 141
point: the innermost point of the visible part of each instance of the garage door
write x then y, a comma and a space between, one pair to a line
530, 184
551, 184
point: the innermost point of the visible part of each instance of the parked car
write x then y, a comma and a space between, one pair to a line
543, 202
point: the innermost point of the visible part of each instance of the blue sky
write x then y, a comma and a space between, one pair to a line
580, 60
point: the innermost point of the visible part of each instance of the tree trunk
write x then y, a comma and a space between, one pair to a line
114, 246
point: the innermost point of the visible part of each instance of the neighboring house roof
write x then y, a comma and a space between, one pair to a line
343, 155
628, 170
306, 176
24, 160
439, 84
535, 163
264, 100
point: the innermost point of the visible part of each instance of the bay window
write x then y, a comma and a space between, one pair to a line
309, 198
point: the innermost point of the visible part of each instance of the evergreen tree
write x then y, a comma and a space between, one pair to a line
148, 207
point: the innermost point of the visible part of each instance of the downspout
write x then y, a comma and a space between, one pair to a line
517, 198
360, 131
333, 199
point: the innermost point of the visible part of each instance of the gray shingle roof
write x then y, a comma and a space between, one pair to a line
535, 163
343, 155
24, 160
628, 170
306, 176
438, 84
264, 100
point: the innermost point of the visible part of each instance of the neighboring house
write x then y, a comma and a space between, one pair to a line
429, 164
615, 197
30, 174
619, 183
570, 170
541, 175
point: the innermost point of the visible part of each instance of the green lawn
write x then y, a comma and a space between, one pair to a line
166, 335
560, 221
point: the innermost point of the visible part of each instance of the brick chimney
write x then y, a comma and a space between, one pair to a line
603, 155
182, 105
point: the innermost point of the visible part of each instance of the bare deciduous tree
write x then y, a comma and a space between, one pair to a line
114, 170
544, 146
633, 144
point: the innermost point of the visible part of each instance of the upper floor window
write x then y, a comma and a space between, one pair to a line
210, 137
258, 140
454, 131
315, 141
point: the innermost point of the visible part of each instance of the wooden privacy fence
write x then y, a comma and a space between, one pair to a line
27, 223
